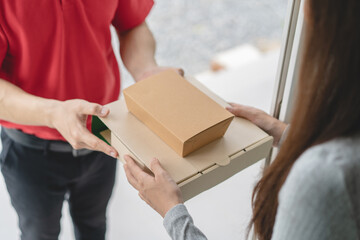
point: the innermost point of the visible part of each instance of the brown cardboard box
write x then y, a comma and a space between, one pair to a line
242, 145
179, 113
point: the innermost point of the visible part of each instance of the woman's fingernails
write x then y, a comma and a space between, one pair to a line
112, 153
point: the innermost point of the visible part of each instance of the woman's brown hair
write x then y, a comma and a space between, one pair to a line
328, 98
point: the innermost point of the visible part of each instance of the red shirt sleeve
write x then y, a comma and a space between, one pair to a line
3, 46
131, 13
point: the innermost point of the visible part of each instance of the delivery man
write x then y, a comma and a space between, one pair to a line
57, 67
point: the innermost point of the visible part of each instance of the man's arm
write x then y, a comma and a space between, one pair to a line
68, 117
137, 50
19, 107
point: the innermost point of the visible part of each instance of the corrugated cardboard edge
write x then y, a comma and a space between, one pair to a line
217, 174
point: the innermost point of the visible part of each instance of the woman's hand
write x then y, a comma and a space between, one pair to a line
69, 118
269, 124
159, 191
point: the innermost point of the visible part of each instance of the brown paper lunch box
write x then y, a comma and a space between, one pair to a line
194, 169
175, 110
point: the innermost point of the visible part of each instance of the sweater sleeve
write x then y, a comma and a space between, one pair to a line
314, 203
180, 225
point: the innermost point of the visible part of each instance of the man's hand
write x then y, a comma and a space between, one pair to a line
155, 70
272, 126
159, 191
69, 118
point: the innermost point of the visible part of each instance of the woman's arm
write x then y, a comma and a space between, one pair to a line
164, 196
180, 225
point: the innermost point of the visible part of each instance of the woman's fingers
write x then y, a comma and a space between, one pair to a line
156, 168
140, 176
269, 124
160, 192
243, 111
131, 179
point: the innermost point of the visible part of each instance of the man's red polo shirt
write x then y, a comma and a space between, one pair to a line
61, 49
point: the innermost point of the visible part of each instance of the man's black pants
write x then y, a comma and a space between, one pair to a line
38, 181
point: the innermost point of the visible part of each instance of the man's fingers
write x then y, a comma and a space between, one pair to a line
94, 109
94, 143
104, 112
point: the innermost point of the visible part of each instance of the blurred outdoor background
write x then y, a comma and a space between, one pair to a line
232, 47
191, 33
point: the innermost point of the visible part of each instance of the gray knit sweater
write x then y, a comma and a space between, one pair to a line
319, 200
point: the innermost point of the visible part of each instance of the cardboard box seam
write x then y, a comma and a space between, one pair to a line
195, 175
207, 181
250, 147
231, 157
227, 119
260, 141
188, 180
